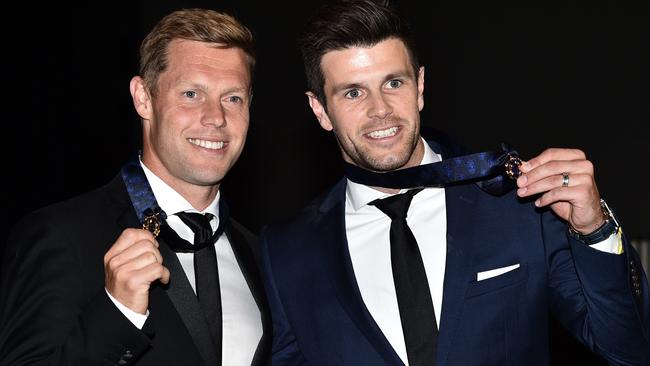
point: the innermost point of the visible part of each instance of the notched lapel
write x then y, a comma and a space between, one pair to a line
460, 205
187, 305
330, 237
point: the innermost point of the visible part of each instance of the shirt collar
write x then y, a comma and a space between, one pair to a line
360, 195
171, 201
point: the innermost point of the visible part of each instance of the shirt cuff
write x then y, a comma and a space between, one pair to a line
134, 317
613, 244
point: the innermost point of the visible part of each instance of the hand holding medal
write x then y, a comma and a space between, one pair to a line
564, 179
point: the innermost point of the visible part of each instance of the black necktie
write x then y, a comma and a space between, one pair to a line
206, 272
411, 285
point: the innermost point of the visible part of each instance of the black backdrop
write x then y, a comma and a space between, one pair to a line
536, 75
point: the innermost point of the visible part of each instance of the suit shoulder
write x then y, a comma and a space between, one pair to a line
306, 220
62, 222
243, 231
75, 208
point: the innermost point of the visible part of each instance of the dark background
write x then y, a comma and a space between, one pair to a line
538, 75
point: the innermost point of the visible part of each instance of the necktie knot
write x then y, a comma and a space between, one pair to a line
397, 206
200, 225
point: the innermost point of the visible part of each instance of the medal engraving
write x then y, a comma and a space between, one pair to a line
152, 221
512, 165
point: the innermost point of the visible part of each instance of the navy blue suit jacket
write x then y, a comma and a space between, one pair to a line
320, 318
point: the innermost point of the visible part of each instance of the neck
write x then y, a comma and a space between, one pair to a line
386, 190
414, 160
199, 196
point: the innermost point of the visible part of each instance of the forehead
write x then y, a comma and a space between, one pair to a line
386, 57
208, 58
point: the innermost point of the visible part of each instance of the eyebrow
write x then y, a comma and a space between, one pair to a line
202, 86
237, 89
395, 75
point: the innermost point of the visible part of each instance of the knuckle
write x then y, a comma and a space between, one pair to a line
112, 263
120, 276
160, 270
128, 234
579, 153
107, 258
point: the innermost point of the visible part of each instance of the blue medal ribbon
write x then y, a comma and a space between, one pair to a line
144, 202
142, 198
487, 169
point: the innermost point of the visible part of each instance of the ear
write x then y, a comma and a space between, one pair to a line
421, 88
141, 97
319, 112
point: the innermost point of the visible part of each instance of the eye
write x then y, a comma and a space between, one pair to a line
191, 94
393, 84
353, 94
234, 99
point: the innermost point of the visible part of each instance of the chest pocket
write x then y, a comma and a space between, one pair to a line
510, 278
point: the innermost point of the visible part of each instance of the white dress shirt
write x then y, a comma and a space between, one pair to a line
242, 322
368, 229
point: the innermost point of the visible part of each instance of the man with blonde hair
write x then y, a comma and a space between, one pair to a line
149, 269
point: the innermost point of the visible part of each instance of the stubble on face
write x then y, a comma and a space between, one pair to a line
364, 154
200, 119
377, 127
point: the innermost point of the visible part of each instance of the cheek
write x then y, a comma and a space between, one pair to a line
239, 122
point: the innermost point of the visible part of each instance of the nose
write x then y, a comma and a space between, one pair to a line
380, 106
213, 114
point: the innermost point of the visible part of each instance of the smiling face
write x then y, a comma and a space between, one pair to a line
373, 105
195, 122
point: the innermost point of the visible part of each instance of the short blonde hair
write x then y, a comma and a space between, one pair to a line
195, 24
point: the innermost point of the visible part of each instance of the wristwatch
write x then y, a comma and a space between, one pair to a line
609, 227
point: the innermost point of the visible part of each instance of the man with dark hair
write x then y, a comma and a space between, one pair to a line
150, 269
423, 255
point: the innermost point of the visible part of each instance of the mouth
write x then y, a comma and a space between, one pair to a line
382, 134
210, 145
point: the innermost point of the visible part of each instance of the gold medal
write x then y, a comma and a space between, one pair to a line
152, 222
512, 165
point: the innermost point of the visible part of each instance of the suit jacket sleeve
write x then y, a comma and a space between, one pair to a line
593, 294
52, 310
285, 350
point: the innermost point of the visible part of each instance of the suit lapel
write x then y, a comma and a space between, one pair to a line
250, 269
178, 290
122, 203
331, 240
187, 305
460, 205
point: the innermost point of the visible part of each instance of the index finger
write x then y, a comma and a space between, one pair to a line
552, 154
127, 238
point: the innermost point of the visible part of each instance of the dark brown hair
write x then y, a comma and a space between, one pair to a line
345, 24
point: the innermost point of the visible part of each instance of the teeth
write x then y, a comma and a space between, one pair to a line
207, 144
383, 133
